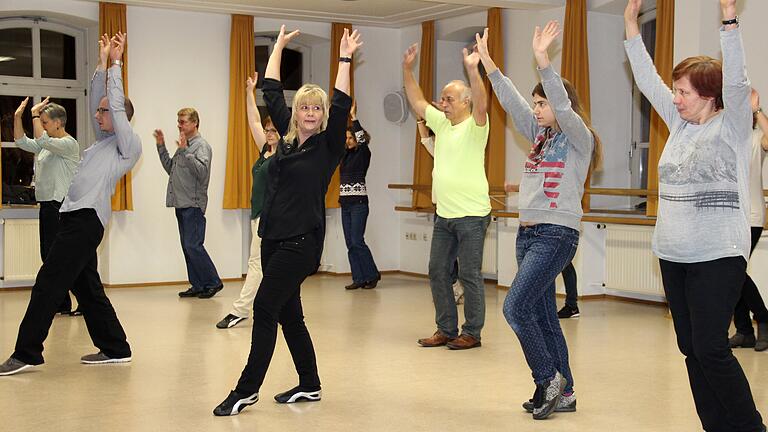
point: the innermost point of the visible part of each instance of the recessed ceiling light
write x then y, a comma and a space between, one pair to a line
6, 58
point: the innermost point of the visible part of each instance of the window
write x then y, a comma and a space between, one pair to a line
294, 68
641, 117
38, 59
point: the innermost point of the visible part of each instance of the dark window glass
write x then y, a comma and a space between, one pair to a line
262, 56
16, 52
57, 52
18, 170
71, 106
8, 105
291, 69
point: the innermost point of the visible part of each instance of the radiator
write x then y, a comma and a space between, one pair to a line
21, 249
490, 249
630, 264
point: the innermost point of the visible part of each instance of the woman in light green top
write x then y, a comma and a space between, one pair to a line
57, 155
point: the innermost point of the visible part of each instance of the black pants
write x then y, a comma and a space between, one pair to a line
750, 299
71, 264
49, 226
286, 264
571, 287
701, 298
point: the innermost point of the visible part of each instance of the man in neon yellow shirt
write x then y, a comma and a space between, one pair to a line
460, 190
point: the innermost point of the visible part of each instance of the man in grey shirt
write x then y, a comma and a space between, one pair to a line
190, 170
71, 262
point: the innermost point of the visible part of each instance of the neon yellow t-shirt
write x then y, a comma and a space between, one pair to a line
459, 184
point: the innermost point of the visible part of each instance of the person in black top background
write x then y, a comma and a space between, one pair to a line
292, 225
353, 198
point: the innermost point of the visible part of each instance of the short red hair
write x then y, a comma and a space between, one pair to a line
705, 74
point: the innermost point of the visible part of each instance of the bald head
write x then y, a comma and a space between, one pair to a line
456, 101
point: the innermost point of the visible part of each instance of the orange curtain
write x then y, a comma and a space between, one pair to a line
111, 20
664, 58
337, 31
241, 149
495, 152
575, 66
423, 162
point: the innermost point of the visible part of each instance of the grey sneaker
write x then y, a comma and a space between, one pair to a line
13, 366
739, 340
761, 344
548, 397
101, 358
566, 404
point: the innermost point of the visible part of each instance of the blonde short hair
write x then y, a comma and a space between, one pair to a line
191, 114
308, 93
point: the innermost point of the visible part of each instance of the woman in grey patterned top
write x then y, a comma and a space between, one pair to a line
702, 231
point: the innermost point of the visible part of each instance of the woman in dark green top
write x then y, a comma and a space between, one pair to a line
263, 131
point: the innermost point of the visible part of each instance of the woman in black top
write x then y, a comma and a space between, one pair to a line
353, 198
292, 225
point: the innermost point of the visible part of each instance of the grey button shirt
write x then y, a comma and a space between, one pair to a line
190, 171
55, 163
114, 154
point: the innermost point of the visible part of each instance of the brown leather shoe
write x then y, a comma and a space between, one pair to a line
437, 339
463, 342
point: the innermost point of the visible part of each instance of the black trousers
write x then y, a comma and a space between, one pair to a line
49, 226
71, 264
701, 298
286, 264
750, 299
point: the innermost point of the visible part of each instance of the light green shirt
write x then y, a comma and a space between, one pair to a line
459, 184
55, 164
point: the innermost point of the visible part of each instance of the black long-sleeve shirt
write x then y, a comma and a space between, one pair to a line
354, 168
298, 177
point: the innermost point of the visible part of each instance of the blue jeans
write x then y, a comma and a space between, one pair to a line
461, 238
353, 220
543, 251
201, 272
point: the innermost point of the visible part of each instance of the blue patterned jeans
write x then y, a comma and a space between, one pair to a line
543, 251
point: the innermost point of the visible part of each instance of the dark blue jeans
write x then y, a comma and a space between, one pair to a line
353, 220
201, 272
543, 251
461, 238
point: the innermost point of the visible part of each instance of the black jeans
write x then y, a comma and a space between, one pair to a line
571, 288
701, 298
49, 226
71, 264
286, 263
750, 299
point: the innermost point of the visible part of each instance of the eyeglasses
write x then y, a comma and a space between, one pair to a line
307, 108
270, 131
102, 110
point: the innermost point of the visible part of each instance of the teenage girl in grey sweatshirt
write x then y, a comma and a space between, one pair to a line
550, 213
702, 233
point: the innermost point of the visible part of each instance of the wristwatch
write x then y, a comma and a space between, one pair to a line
734, 20
117, 63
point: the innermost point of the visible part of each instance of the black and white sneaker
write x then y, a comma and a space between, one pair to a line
229, 321
13, 366
234, 403
299, 394
548, 396
568, 312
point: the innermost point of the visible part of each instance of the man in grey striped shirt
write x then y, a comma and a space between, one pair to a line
189, 171
84, 215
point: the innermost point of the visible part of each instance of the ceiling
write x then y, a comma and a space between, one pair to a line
382, 13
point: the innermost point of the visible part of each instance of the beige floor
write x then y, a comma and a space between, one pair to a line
629, 375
